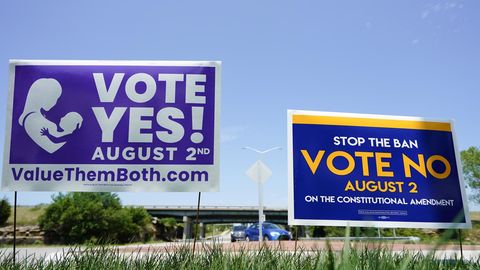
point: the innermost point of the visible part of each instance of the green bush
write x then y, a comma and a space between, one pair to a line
5, 210
330, 231
78, 217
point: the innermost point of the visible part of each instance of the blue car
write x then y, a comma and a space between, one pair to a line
238, 233
270, 232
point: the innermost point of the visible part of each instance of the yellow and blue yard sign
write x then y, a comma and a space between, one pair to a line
374, 170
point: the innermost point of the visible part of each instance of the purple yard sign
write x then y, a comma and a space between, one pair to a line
112, 126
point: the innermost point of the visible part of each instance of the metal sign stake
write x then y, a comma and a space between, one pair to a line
14, 227
461, 246
196, 222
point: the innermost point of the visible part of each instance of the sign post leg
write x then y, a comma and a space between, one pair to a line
14, 227
461, 246
296, 238
196, 223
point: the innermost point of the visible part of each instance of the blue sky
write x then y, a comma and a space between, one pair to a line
415, 58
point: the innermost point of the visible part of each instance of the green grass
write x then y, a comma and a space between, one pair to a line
27, 215
475, 216
214, 258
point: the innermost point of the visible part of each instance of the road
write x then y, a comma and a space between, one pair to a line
52, 252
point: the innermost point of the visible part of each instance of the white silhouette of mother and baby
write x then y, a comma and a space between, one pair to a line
43, 96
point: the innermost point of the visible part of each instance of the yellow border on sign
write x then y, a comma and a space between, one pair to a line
370, 122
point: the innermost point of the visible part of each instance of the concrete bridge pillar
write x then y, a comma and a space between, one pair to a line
187, 228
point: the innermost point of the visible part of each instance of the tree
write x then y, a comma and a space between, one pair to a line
80, 217
5, 211
167, 228
471, 169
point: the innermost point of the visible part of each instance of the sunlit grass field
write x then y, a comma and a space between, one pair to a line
27, 215
475, 216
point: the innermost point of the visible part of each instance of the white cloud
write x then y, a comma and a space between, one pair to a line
425, 14
231, 133
368, 25
440, 6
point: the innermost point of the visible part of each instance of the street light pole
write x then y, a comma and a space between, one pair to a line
260, 188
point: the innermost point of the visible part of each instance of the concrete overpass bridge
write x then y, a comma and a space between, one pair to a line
216, 215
